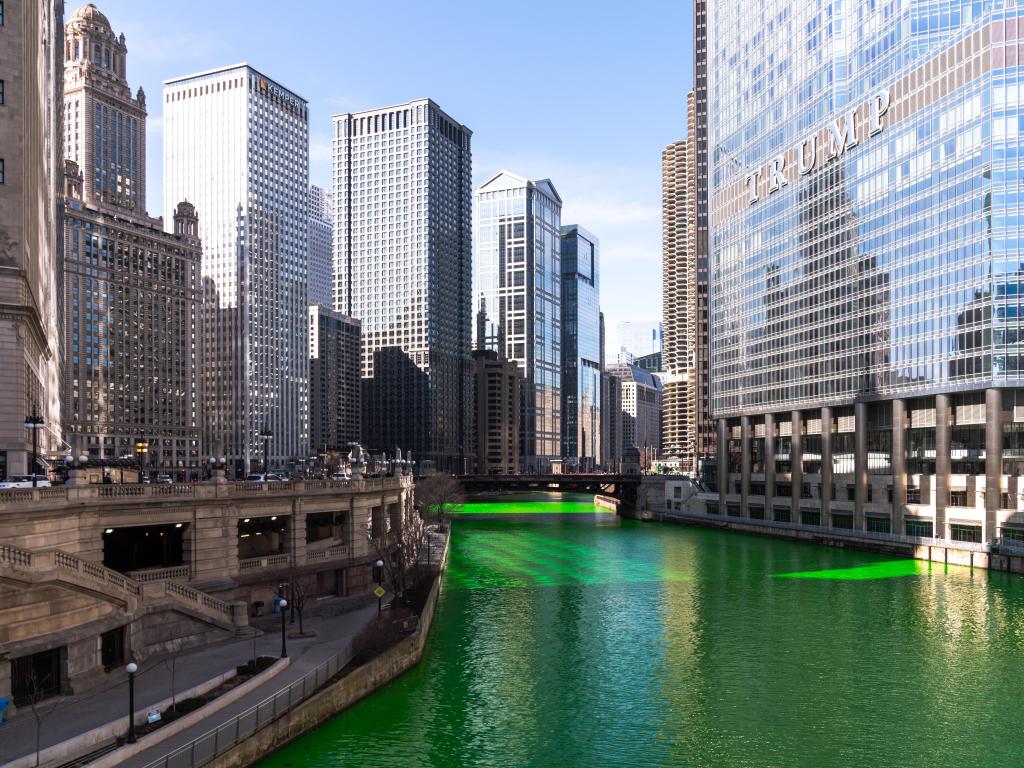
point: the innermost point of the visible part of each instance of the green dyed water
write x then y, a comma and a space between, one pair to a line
573, 640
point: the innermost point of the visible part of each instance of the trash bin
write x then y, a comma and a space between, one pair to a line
3, 709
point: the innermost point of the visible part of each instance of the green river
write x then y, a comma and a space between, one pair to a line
566, 637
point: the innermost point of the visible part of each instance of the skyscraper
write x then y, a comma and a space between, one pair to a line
105, 127
641, 394
498, 403
321, 234
403, 267
236, 145
866, 366
30, 232
518, 275
132, 293
639, 338
335, 399
679, 302
581, 348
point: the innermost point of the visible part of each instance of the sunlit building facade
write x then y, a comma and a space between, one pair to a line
518, 274
321, 236
865, 265
403, 267
236, 146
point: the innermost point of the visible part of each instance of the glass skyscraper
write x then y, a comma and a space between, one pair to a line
403, 267
518, 275
236, 146
864, 179
581, 348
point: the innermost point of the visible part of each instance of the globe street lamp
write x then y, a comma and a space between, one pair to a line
284, 646
131, 669
35, 423
265, 435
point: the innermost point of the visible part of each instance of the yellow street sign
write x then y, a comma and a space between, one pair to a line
379, 591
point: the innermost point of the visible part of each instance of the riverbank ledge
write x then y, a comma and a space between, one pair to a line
338, 696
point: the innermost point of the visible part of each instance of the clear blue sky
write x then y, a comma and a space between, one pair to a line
584, 92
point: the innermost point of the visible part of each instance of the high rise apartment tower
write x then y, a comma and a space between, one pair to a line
321, 235
403, 267
236, 146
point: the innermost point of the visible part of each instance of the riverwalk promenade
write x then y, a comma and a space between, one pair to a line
335, 621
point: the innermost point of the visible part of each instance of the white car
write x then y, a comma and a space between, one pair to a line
24, 481
340, 476
164, 479
270, 477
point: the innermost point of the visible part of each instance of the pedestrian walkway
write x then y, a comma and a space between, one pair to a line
335, 621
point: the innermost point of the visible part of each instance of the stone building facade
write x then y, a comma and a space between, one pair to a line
30, 242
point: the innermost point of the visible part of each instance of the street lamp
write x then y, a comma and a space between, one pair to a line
284, 646
141, 449
380, 566
265, 435
35, 423
131, 669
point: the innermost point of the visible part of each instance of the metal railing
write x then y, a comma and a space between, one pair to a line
846, 533
215, 742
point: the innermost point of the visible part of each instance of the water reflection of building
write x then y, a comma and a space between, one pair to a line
865, 308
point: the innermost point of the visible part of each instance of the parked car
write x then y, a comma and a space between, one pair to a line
162, 478
341, 476
24, 481
270, 477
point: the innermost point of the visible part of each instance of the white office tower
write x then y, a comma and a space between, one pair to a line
236, 145
402, 266
321, 234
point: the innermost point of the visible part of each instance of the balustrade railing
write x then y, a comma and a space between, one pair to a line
161, 574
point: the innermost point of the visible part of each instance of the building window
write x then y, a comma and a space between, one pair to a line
965, 533
879, 524
919, 528
810, 517
1, 91
913, 495
1, 170
958, 499
840, 520
756, 512
1, 13
781, 515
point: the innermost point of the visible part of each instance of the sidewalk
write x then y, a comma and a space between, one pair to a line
335, 621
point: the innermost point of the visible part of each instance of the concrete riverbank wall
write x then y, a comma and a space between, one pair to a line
936, 551
339, 696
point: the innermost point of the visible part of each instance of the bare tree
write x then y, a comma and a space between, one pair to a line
36, 692
299, 596
399, 549
438, 497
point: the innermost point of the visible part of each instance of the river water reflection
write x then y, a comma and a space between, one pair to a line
576, 639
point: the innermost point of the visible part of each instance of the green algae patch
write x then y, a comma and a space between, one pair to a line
889, 569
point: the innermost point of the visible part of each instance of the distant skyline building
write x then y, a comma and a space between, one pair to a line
31, 239
679, 300
335, 384
639, 338
641, 411
403, 267
497, 413
581, 348
321, 246
611, 417
697, 127
866, 265
518, 274
236, 145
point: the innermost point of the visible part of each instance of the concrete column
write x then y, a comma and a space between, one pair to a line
993, 461
899, 463
722, 451
942, 463
796, 471
769, 466
860, 463
826, 465
745, 462
297, 534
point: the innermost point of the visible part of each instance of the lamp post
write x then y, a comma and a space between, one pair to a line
284, 646
35, 423
380, 566
141, 449
131, 669
265, 435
